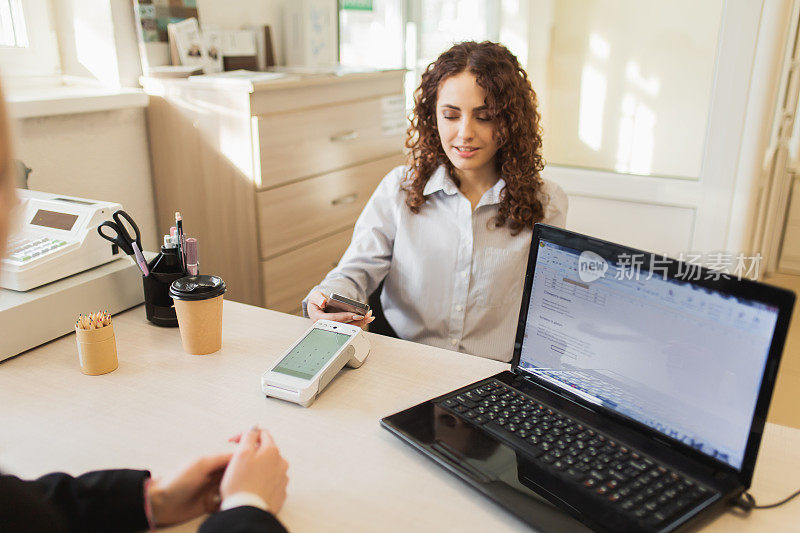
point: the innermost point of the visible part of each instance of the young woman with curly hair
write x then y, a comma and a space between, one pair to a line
449, 233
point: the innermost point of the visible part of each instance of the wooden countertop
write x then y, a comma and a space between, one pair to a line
286, 78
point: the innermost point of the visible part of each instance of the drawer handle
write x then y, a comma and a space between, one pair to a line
344, 200
351, 135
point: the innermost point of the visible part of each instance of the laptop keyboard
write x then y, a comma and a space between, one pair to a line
637, 486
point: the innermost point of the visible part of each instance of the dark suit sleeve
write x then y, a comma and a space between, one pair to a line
244, 519
108, 500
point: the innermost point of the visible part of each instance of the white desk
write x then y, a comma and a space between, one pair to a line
162, 407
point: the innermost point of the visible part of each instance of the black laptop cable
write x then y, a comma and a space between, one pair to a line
747, 502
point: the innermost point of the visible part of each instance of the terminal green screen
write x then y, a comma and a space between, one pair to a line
312, 353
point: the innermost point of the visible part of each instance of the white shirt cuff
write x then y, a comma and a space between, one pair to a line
241, 499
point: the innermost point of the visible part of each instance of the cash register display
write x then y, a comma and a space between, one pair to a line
53, 219
311, 354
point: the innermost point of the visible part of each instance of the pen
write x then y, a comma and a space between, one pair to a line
140, 259
181, 242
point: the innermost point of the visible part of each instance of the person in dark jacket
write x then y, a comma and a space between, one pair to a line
243, 490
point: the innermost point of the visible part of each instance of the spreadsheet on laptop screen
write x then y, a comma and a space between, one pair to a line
679, 358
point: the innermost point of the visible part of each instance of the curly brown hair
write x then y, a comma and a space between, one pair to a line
512, 105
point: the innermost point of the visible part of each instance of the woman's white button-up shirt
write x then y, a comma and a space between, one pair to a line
450, 279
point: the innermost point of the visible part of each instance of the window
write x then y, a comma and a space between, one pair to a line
412, 33
12, 24
371, 33
28, 44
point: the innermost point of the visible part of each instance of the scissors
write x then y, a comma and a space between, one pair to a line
122, 237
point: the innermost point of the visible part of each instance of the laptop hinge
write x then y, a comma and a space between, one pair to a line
527, 376
552, 389
517, 371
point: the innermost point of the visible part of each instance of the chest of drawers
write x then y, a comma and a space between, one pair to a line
270, 177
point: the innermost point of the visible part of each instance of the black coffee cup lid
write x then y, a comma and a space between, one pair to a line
197, 288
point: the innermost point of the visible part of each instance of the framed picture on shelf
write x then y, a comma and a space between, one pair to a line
189, 43
152, 18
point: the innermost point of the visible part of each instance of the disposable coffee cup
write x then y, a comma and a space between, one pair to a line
198, 304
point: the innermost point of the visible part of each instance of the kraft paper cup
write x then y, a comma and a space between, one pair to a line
97, 350
200, 323
198, 305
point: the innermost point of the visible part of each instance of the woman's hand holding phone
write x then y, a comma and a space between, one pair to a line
316, 311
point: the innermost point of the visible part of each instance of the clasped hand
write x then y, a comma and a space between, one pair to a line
198, 488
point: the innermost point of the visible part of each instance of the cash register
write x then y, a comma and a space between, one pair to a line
54, 237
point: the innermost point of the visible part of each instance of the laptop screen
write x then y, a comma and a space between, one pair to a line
682, 359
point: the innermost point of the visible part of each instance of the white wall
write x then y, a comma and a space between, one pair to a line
102, 156
540, 36
629, 84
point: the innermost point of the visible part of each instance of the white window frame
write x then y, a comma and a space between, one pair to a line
41, 56
17, 21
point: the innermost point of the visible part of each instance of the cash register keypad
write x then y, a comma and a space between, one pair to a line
23, 250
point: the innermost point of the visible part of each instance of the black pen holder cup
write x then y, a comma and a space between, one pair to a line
157, 302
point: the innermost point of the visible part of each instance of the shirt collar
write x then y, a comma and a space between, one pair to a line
440, 180
492, 196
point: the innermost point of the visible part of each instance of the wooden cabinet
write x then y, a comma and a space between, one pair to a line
310, 142
308, 210
271, 176
306, 266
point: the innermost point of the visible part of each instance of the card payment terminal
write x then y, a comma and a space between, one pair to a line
312, 362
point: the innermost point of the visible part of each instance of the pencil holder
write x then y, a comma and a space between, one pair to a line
157, 302
97, 350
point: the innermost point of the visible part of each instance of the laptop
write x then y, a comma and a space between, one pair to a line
637, 394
